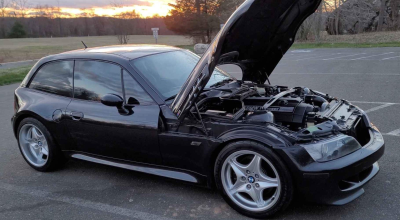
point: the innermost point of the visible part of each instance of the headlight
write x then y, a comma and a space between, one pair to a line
332, 149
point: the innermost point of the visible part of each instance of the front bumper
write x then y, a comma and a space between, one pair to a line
339, 181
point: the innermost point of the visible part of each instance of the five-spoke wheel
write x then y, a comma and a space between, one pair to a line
37, 146
33, 145
253, 179
250, 180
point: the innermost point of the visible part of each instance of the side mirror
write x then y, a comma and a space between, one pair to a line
112, 100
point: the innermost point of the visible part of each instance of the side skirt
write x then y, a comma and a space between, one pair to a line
164, 172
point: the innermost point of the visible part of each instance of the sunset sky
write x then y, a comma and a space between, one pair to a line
76, 8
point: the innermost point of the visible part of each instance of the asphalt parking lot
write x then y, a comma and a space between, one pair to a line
368, 77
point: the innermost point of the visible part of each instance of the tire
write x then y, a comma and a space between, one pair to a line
258, 192
41, 143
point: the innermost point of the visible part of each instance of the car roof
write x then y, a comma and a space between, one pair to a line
128, 52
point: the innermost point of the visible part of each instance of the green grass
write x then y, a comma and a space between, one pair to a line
14, 75
343, 45
29, 48
326, 45
187, 47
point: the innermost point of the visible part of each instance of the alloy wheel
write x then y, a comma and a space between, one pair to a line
251, 181
33, 145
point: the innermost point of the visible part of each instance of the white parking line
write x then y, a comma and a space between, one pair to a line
378, 108
389, 58
372, 74
379, 103
394, 133
294, 56
372, 56
318, 56
301, 51
345, 56
81, 202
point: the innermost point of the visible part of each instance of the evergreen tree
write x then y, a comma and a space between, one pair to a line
17, 31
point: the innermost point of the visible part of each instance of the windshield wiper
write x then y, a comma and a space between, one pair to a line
172, 97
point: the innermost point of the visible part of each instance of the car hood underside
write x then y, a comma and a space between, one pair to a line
255, 37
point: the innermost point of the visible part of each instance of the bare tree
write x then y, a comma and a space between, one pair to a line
21, 6
3, 12
312, 27
123, 25
318, 23
394, 5
58, 17
381, 15
338, 3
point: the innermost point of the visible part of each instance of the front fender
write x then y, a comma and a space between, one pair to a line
263, 135
260, 134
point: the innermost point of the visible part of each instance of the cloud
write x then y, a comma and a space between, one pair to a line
79, 8
89, 3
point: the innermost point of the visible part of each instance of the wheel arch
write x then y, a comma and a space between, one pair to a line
265, 138
26, 114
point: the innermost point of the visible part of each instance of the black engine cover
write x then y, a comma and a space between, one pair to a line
290, 112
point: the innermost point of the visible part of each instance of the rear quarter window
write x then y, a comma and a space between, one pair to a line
55, 78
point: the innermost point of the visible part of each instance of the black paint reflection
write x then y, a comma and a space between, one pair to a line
95, 79
134, 94
55, 78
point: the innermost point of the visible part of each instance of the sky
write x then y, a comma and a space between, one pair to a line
76, 8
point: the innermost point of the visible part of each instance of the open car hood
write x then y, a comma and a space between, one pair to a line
255, 38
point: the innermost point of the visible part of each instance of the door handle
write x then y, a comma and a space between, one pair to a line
76, 116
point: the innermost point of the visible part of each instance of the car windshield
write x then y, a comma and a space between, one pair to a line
167, 72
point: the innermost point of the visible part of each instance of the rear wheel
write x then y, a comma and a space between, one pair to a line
252, 179
37, 146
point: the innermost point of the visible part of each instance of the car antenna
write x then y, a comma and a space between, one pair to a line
84, 45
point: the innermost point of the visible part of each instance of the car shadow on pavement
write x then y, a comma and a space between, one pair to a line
167, 197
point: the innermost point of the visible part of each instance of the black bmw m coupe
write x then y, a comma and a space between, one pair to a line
165, 111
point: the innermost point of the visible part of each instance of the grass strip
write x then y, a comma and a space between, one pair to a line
301, 45
13, 75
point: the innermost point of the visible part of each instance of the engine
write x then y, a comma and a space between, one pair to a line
288, 111
263, 104
305, 112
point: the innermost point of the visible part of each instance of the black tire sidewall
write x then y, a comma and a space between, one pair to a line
52, 162
286, 194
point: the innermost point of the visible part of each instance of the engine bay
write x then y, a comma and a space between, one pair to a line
306, 113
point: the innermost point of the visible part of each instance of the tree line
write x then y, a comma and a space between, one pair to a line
85, 26
338, 17
48, 21
199, 19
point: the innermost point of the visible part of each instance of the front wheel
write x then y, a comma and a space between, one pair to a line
252, 179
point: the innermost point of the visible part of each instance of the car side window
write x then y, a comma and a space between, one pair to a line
134, 93
54, 78
94, 79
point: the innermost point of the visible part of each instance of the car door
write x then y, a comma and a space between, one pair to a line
49, 93
130, 133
